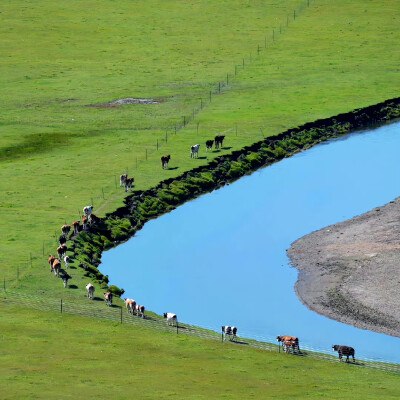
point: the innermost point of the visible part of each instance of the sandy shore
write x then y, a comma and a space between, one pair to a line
350, 271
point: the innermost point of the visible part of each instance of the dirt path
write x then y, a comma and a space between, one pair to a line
350, 271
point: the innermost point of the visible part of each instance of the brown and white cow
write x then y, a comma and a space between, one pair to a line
139, 310
130, 305
65, 229
75, 225
289, 343
90, 291
84, 222
93, 219
87, 210
122, 180
108, 297
165, 161
61, 250
129, 183
56, 267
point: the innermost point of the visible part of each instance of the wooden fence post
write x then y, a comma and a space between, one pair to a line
61, 306
121, 314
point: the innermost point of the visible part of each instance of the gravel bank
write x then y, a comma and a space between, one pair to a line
350, 271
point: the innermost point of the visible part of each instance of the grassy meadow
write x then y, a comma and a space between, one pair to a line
269, 65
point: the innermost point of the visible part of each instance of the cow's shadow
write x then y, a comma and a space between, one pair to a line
201, 158
173, 168
73, 286
226, 148
98, 299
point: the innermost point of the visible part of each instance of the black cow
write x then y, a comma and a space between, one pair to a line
219, 139
209, 145
165, 161
344, 351
62, 239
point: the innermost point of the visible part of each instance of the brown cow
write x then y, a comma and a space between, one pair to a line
289, 342
56, 267
65, 229
122, 180
84, 222
75, 225
51, 261
61, 250
93, 219
344, 351
165, 161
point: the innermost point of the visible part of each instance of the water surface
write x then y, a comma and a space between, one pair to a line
221, 259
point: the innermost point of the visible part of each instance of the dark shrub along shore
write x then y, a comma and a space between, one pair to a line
141, 206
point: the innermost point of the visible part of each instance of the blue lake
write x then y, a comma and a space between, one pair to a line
221, 259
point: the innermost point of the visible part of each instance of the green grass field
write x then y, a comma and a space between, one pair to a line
61, 148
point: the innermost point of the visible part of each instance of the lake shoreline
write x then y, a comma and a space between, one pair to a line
348, 271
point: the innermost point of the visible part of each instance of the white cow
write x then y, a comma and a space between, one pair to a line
171, 318
66, 261
87, 211
90, 290
194, 151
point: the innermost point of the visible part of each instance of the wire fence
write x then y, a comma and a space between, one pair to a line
118, 314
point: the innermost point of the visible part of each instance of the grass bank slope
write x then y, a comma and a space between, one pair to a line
91, 359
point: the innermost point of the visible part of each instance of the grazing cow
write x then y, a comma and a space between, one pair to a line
108, 297
194, 151
62, 240
219, 139
84, 222
209, 145
66, 261
65, 229
229, 331
65, 278
87, 210
56, 267
51, 261
122, 180
130, 305
139, 310
129, 183
90, 291
165, 161
61, 250
344, 351
289, 343
75, 225
171, 318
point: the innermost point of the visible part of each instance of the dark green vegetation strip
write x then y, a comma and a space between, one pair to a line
142, 206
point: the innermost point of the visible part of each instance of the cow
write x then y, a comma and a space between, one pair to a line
66, 261
194, 151
90, 291
75, 225
171, 319
130, 305
65, 229
344, 351
94, 219
108, 297
129, 183
122, 180
139, 310
62, 240
61, 250
65, 278
56, 267
209, 145
229, 331
289, 342
219, 139
165, 161
87, 210
84, 222
51, 262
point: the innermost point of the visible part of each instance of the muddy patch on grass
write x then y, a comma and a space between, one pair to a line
127, 101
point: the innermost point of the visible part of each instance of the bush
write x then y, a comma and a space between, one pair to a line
115, 290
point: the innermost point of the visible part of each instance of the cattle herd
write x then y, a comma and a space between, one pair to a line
290, 344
